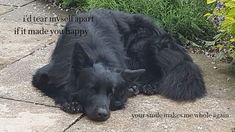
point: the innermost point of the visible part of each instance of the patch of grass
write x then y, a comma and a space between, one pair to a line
75, 3
182, 17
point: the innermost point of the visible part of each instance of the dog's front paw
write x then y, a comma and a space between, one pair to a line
72, 107
116, 105
133, 90
150, 89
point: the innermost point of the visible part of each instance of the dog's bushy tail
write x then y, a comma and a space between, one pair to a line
183, 83
181, 77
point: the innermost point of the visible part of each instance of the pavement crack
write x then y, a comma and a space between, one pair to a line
27, 3
30, 53
9, 5
29, 102
45, 46
7, 11
74, 122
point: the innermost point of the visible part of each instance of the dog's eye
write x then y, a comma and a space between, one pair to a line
110, 94
110, 91
96, 89
113, 89
92, 88
91, 85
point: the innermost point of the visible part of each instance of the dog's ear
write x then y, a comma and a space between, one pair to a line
132, 75
85, 55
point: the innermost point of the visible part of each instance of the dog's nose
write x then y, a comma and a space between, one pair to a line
102, 114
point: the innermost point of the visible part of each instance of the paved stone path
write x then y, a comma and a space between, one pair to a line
23, 108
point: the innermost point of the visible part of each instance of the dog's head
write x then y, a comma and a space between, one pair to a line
102, 90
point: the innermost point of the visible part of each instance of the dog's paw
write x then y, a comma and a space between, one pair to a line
150, 89
117, 105
72, 107
133, 90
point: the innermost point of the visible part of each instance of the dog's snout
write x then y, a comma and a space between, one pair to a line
102, 114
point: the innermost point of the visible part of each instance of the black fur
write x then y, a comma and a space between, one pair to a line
121, 54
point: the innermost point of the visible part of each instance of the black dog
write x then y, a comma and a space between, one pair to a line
121, 54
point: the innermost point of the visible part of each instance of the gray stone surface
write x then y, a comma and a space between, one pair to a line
26, 109
15, 46
123, 120
15, 2
35, 9
220, 81
5, 9
24, 117
15, 80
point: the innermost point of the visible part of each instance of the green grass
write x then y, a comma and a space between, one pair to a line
185, 18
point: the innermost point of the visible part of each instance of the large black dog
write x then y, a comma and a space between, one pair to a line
121, 54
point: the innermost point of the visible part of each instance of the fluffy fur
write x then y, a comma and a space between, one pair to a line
122, 54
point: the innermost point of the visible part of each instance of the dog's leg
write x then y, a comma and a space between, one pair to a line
68, 102
147, 84
41, 81
150, 88
119, 99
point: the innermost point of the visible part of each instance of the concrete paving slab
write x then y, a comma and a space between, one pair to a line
220, 81
15, 80
35, 9
24, 117
15, 2
136, 117
141, 113
15, 46
5, 9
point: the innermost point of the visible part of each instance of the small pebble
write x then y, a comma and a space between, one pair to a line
165, 127
200, 128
